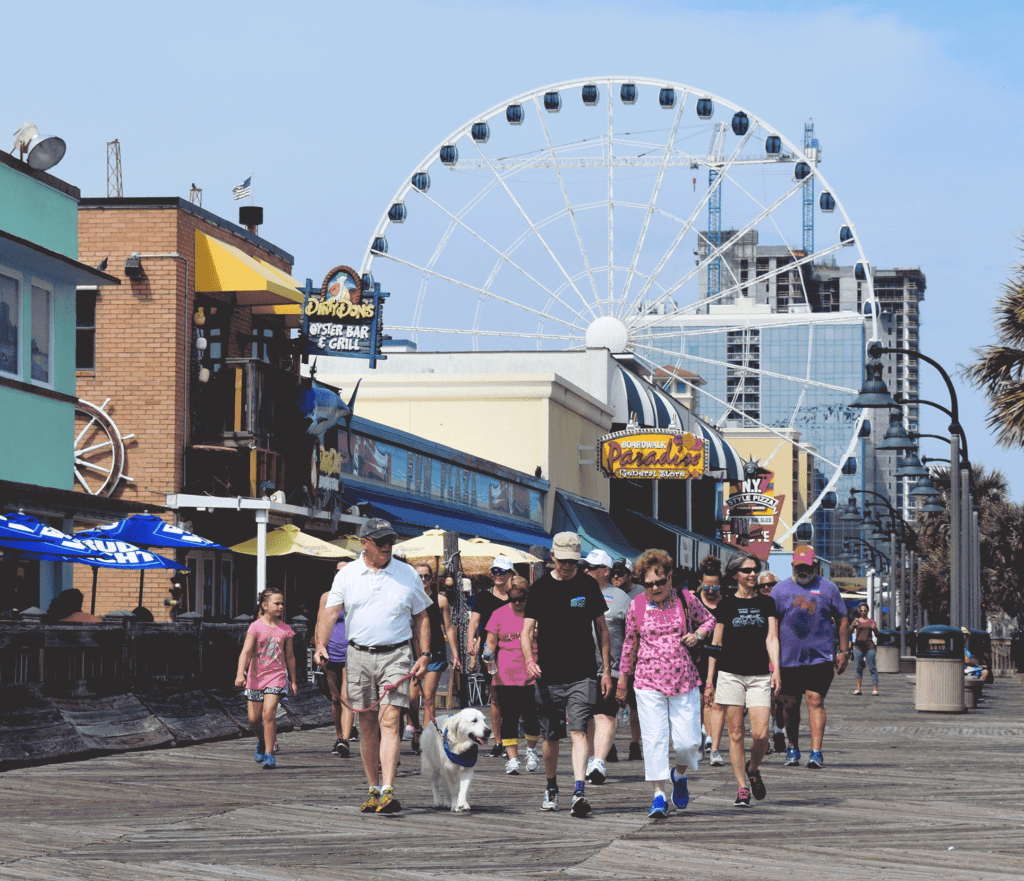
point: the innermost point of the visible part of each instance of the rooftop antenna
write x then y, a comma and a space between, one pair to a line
195, 195
115, 185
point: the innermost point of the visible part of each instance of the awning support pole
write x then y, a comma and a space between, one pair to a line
262, 516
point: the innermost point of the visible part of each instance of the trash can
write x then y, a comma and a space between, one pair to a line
940, 670
887, 651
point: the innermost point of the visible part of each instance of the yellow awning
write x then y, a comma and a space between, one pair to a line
223, 268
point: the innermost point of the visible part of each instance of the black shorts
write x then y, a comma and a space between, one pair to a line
810, 677
516, 701
565, 706
607, 706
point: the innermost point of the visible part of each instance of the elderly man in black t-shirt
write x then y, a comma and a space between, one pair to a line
568, 606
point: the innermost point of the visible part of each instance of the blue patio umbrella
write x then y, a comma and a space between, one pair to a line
147, 530
20, 532
107, 555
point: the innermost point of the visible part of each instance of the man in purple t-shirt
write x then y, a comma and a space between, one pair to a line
808, 606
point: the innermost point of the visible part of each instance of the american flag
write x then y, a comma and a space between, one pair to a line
243, 189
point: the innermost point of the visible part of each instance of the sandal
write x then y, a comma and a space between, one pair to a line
874, 693
858, 691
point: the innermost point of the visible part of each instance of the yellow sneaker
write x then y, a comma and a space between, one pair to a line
372, 803
388, 803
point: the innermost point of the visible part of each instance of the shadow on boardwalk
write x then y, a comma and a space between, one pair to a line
902, 795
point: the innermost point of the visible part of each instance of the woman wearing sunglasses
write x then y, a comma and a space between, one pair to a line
748, 632
485, 605
661, 627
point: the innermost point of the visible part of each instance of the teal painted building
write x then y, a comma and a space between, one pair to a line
39, 273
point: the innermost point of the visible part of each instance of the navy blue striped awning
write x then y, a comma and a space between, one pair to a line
653, 407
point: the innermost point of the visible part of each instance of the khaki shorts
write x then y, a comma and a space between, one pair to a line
368, 673
733, 690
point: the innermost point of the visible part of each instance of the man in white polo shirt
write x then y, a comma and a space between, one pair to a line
385, 607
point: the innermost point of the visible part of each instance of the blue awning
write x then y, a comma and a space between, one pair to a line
594, 525
411, 516
653, 407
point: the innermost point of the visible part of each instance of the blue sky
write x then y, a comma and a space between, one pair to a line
919, 107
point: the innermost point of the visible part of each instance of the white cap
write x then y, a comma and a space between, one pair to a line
502, 563
597, 557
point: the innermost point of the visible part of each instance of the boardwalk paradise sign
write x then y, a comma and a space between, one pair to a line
652, 454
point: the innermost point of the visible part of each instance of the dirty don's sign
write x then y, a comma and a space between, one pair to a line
652, 454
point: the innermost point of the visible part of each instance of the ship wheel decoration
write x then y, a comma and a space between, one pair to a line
99, 450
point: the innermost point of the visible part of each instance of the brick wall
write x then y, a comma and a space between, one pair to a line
144, 344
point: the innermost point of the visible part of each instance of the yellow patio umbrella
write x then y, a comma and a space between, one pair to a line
349, 543
430, 544
289, 539
481, 547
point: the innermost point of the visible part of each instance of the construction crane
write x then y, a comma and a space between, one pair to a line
812, 150
716, 156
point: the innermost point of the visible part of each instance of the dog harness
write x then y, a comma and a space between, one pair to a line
466, 759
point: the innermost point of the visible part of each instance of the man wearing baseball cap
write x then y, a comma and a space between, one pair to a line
568, 607
385, 608
808, 607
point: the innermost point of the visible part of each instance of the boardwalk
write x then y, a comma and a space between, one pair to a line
903, 796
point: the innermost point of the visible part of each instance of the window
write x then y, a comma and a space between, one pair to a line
85, 331
42, 334
10, 324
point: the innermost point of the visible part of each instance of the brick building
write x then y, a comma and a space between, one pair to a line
193, 352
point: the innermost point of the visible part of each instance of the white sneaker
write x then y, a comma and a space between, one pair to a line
532, 760
512, 766
597, 773
590, 768
716, 759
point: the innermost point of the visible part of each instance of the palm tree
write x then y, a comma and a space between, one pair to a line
1000, 523
999, 369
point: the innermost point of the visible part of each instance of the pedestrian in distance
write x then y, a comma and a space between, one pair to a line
442, 635
484, 605
712, 717
864, 648
334, 675
567, 607
808, 607
388, 644
766, 582
265, 667
621, 577
748, 671
661, 629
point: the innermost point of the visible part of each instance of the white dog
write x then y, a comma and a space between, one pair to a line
450, 751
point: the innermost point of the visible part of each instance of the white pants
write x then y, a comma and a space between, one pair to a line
660, 715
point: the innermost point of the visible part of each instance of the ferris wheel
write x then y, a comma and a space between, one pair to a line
650, 218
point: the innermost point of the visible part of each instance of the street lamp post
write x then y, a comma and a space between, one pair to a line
876, 391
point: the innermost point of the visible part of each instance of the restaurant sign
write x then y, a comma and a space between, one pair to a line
342, 319
751, 510
652, 454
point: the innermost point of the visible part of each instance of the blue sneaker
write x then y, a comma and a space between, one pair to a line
259, 755
659, 808
816, 760
269, 763
792, 756
680, 791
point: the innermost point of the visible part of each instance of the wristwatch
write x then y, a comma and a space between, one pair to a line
424, 654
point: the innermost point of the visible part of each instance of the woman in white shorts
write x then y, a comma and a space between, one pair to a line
748, 670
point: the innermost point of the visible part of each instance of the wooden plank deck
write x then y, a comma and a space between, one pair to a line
903, 795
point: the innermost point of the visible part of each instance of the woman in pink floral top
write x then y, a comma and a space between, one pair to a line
660, 630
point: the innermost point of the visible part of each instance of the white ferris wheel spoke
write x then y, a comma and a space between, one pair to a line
568, 202
723, 247
692, 307
502, 255
468, 331
536, 231
740, 369
611, 201
475, 288
779, 433
669, 147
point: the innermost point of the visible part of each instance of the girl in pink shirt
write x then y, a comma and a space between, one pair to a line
265, 666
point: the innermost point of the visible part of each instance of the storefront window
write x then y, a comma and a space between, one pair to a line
10, 321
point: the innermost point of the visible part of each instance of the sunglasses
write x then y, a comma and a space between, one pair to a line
496, 571
768, 584
659, 583
748, 570
426, 576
